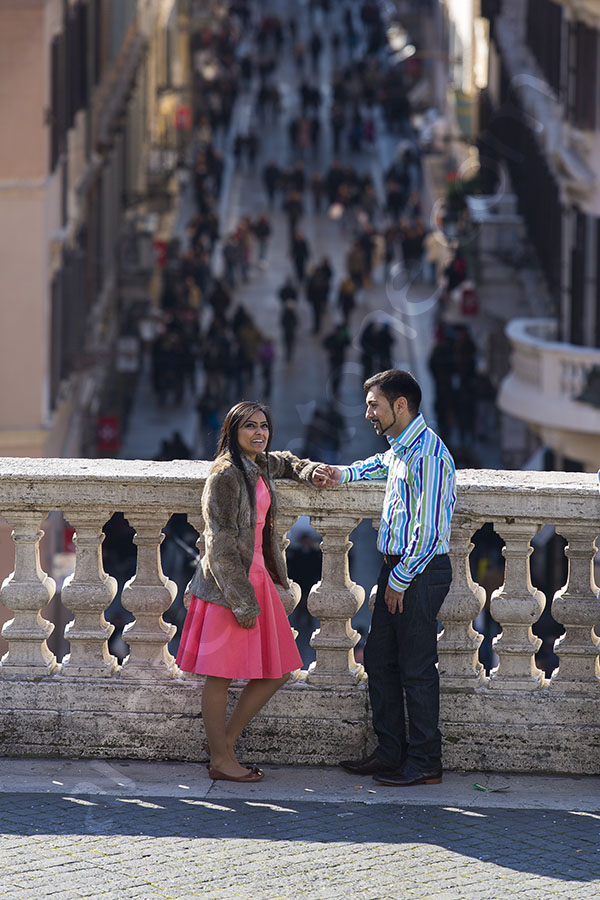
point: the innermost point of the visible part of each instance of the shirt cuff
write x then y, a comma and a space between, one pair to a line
346, 474
397, 581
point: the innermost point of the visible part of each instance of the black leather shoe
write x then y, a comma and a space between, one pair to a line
408, 777
370, 765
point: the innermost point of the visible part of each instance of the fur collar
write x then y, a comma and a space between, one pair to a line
254, 468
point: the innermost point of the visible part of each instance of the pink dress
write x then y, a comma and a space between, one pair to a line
213, 643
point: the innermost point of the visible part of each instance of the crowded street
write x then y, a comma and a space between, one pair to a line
298, 266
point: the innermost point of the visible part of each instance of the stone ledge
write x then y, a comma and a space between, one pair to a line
130, 485
303, 725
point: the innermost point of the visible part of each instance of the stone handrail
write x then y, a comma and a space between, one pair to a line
546, 378
560, 368
89, 704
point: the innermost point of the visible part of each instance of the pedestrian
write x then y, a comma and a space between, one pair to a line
335, 40
270, 176
316, 48
287, 291
293, 208
456, 270
293, 28
289, 326
266, 358
305, 91
346, 298
178, 449
299, 56
412, 238
238, 146
336, 343
441, 366
368, 349
297, 177
252, 147
356, 264
262, 232
236, 626
231, 260
249, 339
325, 433
317, 188
208, 420
315, 134
384, 343
300, 253
338, 122
356, 133
317, 291
414, 532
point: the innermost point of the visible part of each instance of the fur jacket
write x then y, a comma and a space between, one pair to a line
230, 525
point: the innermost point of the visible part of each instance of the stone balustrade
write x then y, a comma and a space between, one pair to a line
90, 705
546, 378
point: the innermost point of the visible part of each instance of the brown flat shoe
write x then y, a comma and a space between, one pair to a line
255, 774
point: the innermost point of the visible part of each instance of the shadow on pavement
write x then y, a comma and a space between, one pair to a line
559, 845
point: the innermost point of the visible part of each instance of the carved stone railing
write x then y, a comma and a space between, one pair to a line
545, 380
90, 705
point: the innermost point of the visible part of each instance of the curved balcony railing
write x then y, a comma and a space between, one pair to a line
91, 705
546, 378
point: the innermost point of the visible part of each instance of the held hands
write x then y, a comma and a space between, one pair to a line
325, 476
394, 600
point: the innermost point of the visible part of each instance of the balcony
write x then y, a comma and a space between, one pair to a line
89, 705
545, 378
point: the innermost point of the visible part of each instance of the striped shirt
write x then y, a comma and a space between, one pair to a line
419, 498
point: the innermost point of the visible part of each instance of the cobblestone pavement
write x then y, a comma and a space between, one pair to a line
70, 846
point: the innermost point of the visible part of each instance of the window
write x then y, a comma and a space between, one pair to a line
57, 118
544, 37
584, 95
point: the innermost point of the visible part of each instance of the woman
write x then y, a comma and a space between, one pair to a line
236, 626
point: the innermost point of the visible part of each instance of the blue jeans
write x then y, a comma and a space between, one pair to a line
400, 659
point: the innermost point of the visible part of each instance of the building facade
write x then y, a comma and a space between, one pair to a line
539, 119
83, 116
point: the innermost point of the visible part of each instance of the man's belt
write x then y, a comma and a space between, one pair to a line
391, 561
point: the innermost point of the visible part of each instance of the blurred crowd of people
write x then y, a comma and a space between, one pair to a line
207, 341
203, 329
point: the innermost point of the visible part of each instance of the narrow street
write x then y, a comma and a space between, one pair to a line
301, 386
297, 387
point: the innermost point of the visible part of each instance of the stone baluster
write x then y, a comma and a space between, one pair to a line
372, 598
334, 600
290, 597
148, 595
517, 605
87, 593
459, 642
26, 592
576, 607
196, 522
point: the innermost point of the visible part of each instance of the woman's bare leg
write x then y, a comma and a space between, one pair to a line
252, 699
214, 707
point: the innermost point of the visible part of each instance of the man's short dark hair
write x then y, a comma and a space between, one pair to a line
395, 383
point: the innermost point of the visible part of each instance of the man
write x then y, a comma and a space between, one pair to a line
401, 649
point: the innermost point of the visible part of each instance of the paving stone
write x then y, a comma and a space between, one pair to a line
256, 852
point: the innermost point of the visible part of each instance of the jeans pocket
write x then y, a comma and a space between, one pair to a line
438, 585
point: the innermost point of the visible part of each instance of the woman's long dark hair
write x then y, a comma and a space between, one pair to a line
228, 439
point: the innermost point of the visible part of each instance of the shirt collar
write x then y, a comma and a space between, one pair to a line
410, 434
